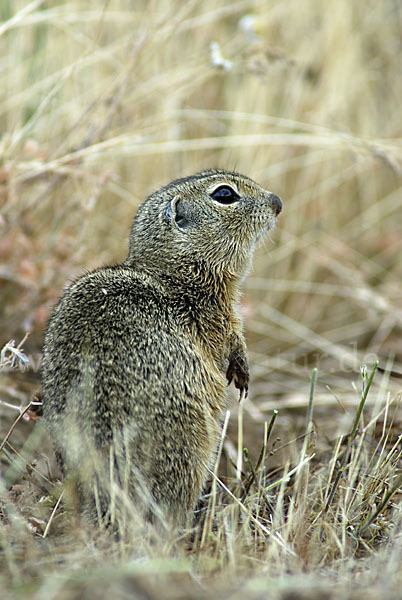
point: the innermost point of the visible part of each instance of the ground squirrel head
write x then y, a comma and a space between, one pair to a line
213, 219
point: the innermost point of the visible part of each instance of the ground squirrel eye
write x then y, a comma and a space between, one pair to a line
224, 194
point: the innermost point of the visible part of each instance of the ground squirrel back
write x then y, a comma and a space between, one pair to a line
136, 356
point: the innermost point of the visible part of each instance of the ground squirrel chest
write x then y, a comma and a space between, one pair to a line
137, 356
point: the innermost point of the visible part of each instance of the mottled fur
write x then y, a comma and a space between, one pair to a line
136, 355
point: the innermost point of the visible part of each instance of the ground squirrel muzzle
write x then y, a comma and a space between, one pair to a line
137, 356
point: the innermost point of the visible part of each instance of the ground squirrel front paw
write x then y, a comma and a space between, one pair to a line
238, 372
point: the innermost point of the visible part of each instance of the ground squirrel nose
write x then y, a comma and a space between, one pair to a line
276, 204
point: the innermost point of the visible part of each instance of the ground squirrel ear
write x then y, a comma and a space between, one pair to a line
176, 213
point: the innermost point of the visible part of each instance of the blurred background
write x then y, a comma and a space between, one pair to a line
103, 102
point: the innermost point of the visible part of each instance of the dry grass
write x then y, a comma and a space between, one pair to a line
100, 103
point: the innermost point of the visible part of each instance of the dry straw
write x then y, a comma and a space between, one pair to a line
99, 105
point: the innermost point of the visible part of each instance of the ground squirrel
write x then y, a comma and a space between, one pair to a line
136, 355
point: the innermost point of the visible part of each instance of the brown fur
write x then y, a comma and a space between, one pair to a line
135, 355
